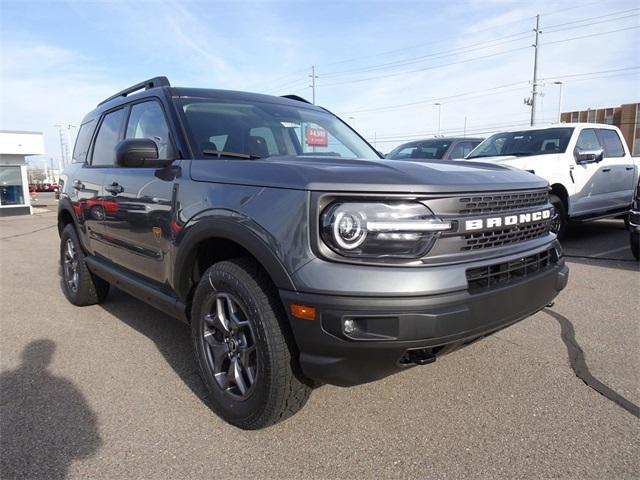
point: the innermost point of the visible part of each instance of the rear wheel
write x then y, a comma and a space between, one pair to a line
244, 348
80, 286
559, 221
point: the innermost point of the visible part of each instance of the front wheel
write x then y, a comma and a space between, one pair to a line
80, 286
559, 221
635, 244
244, 348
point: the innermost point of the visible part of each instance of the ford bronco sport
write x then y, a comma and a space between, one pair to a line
296, 254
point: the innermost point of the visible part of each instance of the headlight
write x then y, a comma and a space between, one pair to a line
380, 229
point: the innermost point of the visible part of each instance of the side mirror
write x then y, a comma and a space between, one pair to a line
138, 152
589, 156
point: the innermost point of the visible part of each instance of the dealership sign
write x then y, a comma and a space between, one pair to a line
317, 137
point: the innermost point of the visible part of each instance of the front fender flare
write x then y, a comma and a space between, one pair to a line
237, 229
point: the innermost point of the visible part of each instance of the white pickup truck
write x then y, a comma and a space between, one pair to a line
588, 167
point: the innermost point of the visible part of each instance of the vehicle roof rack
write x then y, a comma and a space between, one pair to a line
146, 85
296, 97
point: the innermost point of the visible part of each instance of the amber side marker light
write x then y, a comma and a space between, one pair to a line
304, 312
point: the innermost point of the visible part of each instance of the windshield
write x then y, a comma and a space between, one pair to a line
259, 130
527, 142
427, 149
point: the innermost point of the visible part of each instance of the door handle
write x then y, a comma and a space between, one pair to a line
629, 168
114, 188
606, 169
78, 185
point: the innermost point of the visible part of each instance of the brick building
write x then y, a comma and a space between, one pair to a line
625, 117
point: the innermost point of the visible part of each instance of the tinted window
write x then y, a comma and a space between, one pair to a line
611, 143
526, 142
82, 142
426, 150
588, 140
107, 139
462, 149
147, 120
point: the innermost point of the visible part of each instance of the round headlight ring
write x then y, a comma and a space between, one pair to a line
349, 230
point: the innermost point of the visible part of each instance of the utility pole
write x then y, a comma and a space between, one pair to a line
464, 131
62, 156
439, 118
313, 84
535, 93
559, 100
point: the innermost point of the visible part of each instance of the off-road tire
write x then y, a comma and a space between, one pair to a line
90, 289
634, 240
561, 214
280, 389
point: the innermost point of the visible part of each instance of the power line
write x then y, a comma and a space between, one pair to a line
425, 68
592, 18
412, 60
592, 35
473, 92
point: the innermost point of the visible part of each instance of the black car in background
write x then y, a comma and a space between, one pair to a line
435, 149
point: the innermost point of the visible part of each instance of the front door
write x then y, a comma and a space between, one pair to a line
587, 195
138, 201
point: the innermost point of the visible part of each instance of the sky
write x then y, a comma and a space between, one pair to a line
381, 65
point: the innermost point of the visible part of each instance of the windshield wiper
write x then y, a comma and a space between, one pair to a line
220, 154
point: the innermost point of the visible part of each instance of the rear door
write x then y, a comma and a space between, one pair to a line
617, 171
138, 203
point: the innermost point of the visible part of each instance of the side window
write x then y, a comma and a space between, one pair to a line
147, 120
588, 140
107, 139
611, 143
462, 149
262, 136
83, 140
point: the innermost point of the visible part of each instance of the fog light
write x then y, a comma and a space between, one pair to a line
349, 326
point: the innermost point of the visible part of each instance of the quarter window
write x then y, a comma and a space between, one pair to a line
147, 120
108, 136
83, 141
611, 142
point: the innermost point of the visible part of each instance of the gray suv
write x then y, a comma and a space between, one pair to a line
296, 254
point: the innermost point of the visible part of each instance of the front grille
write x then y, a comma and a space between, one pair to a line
506, 236
502, 202
500, 274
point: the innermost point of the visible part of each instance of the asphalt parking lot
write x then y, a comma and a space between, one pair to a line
111, 391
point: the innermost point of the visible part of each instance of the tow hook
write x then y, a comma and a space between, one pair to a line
422, 356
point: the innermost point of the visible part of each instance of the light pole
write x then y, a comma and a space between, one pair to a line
439, 118
65, 152
559, 99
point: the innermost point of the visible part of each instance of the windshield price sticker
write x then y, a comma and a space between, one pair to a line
317, 137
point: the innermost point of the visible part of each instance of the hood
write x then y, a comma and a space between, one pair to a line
344, 175
524, 162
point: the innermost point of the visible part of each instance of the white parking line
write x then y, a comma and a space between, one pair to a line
601, 254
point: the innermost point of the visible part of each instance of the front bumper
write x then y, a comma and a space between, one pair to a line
394, 332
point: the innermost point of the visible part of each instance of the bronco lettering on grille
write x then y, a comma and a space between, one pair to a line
508, 220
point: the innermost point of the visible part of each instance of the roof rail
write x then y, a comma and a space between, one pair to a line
146, 85
297, 98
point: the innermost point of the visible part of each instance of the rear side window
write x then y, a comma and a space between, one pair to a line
462, 149
588, 140
83, 141
107, 139
147, 120
611, 143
